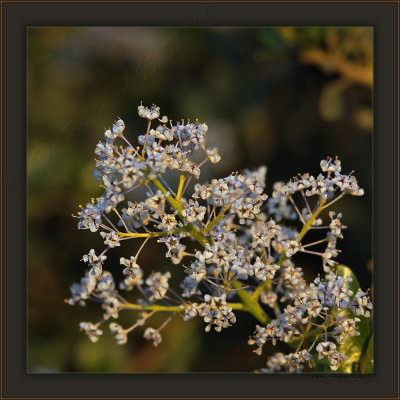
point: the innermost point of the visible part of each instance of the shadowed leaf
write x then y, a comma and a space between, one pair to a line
358, 348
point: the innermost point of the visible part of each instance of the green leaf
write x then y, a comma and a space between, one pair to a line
359, 349
367, 359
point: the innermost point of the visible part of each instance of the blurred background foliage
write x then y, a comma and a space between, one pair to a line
282, 97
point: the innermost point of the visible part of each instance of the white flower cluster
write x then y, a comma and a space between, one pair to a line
243, 194
216, 312
323, 185
121, 336
246, 259
325, 301
290, 363
158, 285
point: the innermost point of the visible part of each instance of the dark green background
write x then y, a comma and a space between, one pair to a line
285, 98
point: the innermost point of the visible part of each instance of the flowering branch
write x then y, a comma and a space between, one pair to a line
305, 229
180, 308
247, 251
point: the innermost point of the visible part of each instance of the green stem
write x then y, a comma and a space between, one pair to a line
251, 305
313, 332
154, 307
174, 203
148, 234
215, 220
319, 329
309, 223
182, 179
177, 206
159, 308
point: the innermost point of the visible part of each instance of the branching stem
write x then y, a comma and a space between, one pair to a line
306, 228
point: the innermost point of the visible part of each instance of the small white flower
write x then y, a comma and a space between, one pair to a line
91, 330
212, 155
149, 113
158, 285
131, 266
121, 336
325, 348
291, 247
154, 335
111, 239
95, 262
